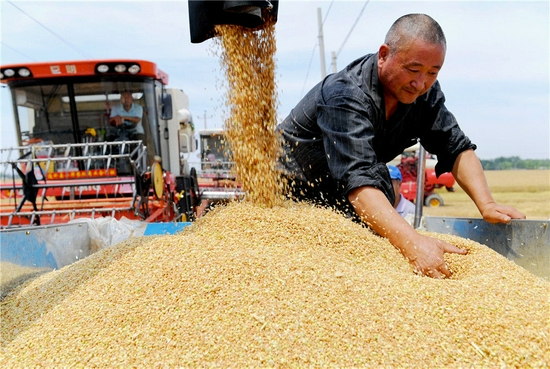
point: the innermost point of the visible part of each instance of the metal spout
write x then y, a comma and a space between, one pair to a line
204, 15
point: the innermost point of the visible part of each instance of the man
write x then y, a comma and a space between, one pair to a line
126, 117
403, 206
338, 139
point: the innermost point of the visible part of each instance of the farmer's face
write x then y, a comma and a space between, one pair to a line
408, 73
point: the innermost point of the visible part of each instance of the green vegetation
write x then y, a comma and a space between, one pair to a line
514, 162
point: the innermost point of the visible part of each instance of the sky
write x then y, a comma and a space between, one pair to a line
496, 75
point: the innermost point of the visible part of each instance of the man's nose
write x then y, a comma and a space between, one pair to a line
419, 82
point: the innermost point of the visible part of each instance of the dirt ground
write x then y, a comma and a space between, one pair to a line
526, 190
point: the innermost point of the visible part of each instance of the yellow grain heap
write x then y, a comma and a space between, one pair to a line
288, 286
12, 275
247, 57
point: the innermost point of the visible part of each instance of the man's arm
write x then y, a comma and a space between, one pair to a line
118, 120
469, 174
134, 120
424, 253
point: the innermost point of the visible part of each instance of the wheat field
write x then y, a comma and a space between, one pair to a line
526, 190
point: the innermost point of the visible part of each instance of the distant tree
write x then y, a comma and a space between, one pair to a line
514, 162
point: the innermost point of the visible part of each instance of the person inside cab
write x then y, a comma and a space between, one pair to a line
126, 118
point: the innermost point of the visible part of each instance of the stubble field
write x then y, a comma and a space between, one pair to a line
526, 190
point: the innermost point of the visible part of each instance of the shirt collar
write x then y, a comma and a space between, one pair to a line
372, 81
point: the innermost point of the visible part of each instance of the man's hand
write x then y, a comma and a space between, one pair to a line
495, 213
116, 120
426, 255
125, 121
469, 174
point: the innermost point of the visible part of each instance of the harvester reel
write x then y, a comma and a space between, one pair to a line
29, 191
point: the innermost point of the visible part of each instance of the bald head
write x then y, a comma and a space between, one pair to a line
414, 27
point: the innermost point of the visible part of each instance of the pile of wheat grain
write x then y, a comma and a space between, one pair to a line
248, 60
12, 275
288, 286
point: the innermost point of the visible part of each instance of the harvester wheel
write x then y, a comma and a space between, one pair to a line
157, 179
433, 201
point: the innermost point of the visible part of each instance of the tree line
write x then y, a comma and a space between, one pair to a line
501, 163
514, 162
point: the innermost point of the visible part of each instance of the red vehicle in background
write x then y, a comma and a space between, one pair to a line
409, 170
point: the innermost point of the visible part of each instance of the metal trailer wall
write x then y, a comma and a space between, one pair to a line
525, 242
59, 245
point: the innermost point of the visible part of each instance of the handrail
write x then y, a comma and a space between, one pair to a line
32, 215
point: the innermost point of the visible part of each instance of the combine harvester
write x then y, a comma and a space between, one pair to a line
68, 185
70, 162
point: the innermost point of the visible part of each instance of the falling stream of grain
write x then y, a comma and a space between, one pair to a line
248, 60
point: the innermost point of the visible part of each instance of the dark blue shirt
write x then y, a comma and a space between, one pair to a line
337, 138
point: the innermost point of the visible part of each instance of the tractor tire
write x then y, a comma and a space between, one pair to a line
433, 201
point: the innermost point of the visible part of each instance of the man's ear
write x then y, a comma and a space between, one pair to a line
383, 52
